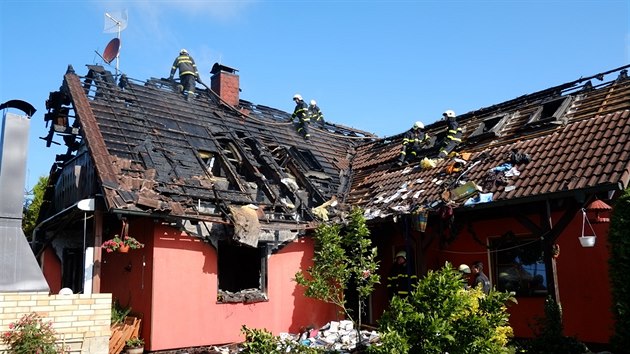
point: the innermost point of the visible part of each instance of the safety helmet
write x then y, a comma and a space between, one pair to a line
313, 103
183, 51
418, 125
464, 268
297, 96
449, 114
402, 254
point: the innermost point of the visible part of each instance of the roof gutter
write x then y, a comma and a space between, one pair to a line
557, 195
34, 234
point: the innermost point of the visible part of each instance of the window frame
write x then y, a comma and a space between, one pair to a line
246, 294
528, 274
494, 132
541, 115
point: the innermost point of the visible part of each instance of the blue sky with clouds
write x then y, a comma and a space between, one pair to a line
376, 65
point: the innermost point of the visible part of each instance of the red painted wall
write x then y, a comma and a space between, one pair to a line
585, 284
184, 307
128, 276
51, 268
583, 281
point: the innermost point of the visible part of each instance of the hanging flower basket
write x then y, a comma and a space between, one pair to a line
122, 245
587, 241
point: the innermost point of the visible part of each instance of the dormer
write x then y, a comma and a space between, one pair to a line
489, 127
549, 113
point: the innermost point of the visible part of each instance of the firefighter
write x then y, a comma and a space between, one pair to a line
188, 73
413, 141
453, 135
400, 281
315, 114
301, 113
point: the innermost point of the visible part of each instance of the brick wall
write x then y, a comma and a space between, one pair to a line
81, 321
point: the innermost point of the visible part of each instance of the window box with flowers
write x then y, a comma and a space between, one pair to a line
123, 245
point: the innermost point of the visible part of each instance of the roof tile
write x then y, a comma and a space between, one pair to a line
589, 151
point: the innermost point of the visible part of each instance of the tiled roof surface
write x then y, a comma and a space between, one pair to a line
154, 151
584, 146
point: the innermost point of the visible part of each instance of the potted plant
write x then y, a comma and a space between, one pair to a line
121, 244
135, 345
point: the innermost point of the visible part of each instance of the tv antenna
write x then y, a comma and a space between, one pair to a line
115, 23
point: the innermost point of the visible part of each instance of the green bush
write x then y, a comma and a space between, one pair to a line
119, 313
619, 271
31, 335
261, 341
549, 337
441, 316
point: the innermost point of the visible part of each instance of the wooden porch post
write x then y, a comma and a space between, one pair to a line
98, 240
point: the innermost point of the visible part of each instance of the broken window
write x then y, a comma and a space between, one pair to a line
489, 127
549, 112
210, 163
518, 265
242, 272
306, 159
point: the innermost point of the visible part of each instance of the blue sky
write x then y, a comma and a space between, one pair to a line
376, 65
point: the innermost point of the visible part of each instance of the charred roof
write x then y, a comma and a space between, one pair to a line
155, 153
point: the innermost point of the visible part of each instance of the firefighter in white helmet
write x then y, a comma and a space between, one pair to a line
413, 141
315, 113
188, 73
453, 135
301, 113
401, 276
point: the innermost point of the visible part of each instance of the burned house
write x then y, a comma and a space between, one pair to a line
219, 191
528, 192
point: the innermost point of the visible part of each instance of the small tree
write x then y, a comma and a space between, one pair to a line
619, 270
441, 316
550, 338
343, 256
32, 206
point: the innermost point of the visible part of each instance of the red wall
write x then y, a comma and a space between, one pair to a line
184, 307
128, 276
51, 268
583, 281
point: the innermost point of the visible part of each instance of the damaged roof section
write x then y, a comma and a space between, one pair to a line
572, 137
158, 154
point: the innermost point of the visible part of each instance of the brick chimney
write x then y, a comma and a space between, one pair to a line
224, 82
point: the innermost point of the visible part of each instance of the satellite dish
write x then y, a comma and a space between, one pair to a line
111, 51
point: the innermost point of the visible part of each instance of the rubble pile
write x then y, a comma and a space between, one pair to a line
337, 336
340, 336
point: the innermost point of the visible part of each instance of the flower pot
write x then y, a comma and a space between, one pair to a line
135, 350
587, 241
124, 249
